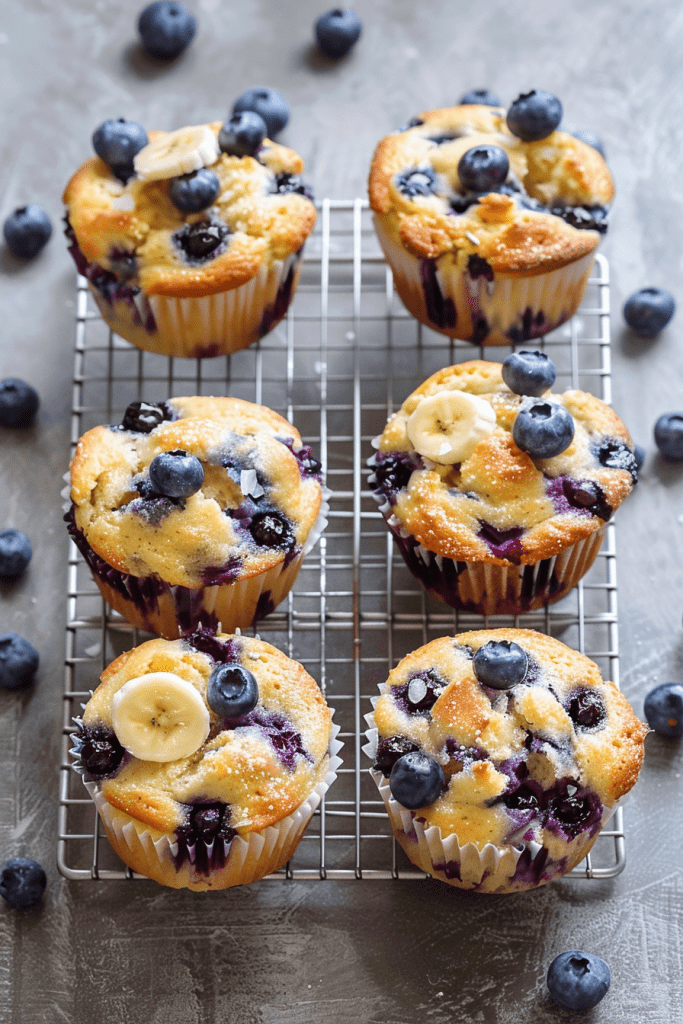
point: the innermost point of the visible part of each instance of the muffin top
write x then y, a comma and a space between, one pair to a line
135, 231
260, 495
492, 501
548, 211
249, 771
538, 760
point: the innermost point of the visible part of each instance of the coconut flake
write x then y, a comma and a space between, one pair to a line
249, 483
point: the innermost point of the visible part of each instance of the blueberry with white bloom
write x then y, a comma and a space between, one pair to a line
194, 192
543, 429
166, 28
232, 691
242, 134
337, 31
483, 168
269, 103
480, 97
416, 780
27, 230
664, 709
22, 882
500, 664
117, 142
578, 980
19, 403
15, 552
176, 474
534, 115
529, 373
669, 435
18, 661
648, 311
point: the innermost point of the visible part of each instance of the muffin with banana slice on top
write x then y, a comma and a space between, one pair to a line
496, 489
191, 240
206, 758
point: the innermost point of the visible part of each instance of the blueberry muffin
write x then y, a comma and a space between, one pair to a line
498, 498
195, 511
490, 238
499, 755
206, 758
193, 248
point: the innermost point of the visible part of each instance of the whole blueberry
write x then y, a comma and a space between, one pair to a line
664, 709
669, 435
480, 97
590, 138
416, 780
18, 661
22, 882
232, 691
534, 115
337, 31
500, 664
578, 980
117, 142
543, 429
166, 28
15, 552
192, 193
176, 474
269, 103
143, 417
18, 403
201, 239
242, 134
639, 455
529, 373
648, 311
483, 168
272, 530
27, 230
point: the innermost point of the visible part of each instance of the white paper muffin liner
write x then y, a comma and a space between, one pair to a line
505, 310
247, 859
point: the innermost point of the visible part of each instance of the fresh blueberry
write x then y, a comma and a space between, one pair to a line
22, 882
578, 980
232, 691
143, 417
242, 134
529, 373
483, 168
117, 142
166, 28
500, 664
18, 661
669, 435
176, 474
15, 552
272, 530
587, 709
591, 139
27, 230
269, 103
416, 780
664, 709
480, 97
648, 311
18, 403
201, 239
639, 455
417, 181
337, 31
192, 193
543, 429
534, 115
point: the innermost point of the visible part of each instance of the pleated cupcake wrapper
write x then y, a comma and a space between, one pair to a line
246, 858
498, 312
211, 325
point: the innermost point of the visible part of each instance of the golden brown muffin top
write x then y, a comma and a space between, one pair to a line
513, 229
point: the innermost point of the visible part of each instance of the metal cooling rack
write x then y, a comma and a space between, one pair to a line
345, 357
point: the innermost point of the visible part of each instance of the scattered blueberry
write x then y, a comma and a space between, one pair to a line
269, 103
22, 882
337, 31
18, 403
242, 134
500, 664
669, 435
664, 709
529, 373
648, 311
176, 474
483, 168
481, 97
639, 455
15, 552
192, 193
534, 115
232, 691
591, 139
272, 530
27, 230
166, 28
417, 181
416, 780
543, 429
117, 142
18, 661
578, 980
143, 417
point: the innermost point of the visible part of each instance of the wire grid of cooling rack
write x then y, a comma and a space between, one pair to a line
340, 363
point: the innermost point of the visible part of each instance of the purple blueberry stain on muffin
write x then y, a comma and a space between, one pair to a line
219, 650
502, 543
578, 497
308, 464
478, 267
391, 472
440, 309
97, 752
204, 837
278, 731
419, 695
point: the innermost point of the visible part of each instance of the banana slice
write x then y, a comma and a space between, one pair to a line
160, 717
447, 427
178, 152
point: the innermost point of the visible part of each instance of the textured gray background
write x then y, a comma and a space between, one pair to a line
356, 951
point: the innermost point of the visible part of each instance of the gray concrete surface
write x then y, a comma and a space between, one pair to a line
345, 951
